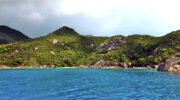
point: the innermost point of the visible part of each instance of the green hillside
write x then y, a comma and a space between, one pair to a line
65, 47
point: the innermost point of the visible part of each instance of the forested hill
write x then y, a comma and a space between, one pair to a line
65, 47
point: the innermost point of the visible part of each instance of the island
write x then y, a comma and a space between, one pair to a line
66, 48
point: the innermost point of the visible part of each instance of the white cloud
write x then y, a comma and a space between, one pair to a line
34, 16
70, 6
89, 7
155, 17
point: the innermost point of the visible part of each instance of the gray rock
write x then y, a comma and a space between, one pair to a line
171, 65
17, 51
124, 65
100, 63
112, 44
55, 41
103, 63
149, 67
129, 64
36, 48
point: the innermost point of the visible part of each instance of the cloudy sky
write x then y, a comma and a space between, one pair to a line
92, 17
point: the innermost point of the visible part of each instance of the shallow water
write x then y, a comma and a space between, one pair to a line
80, 84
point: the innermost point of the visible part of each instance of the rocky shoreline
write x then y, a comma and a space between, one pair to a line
110, 67
171, 65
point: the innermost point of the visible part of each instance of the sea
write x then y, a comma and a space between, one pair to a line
88, 84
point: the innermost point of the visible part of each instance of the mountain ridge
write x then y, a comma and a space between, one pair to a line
8, 34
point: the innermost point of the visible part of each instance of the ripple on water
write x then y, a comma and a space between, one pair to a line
55, 84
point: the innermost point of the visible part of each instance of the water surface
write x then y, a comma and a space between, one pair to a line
88, 84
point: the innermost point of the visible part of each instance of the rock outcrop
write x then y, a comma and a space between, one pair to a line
171, 65
103, 63
112, 43
55, 41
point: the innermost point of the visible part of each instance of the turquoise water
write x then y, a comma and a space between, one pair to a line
88, 84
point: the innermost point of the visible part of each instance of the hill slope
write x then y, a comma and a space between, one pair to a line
8, 34
65, 47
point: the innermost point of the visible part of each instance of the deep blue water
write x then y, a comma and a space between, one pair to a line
88, 84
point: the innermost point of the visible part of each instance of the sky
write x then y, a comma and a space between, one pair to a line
37, 18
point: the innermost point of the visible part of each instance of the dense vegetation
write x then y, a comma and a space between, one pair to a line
65, 47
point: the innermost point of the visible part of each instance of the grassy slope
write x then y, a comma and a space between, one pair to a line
70, 48
140, 50
74, 50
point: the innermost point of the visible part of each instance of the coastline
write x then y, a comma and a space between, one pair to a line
95, 67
